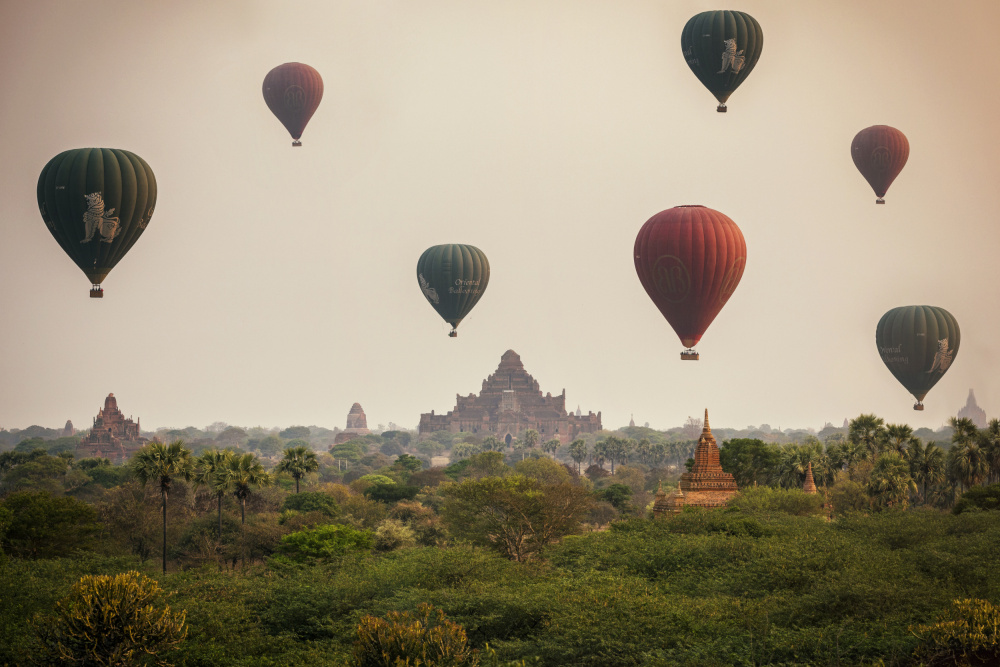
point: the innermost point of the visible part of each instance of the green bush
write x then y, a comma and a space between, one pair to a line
392, 534
44, 526
425, 638
311, 501
110, 620
787, 501
968, 634
979, 498
324, 543
391, 493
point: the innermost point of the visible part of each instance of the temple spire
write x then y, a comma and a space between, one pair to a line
810, 484
707, 428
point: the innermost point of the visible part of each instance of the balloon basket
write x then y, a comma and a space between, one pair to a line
452, 334
96, 292
689, 355
721, 108
296, 143
879, 201
918, 406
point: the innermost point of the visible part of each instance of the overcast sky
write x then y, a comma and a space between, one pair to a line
276, 286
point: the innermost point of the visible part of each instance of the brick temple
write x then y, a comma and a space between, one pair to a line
707, 485
112, 436
357, 424
509, 404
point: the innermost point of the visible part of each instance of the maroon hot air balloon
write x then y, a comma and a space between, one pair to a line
690, 260
879, 153
292, 92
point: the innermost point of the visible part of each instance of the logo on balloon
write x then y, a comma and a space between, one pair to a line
881, 157
731, 279
671, 278
295, 97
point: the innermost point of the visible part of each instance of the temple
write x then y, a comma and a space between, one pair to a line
112, 436
810, 483
509, 404
357, 424
973, 411
707, 485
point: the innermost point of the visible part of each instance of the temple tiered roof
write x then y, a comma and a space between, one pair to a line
707, 485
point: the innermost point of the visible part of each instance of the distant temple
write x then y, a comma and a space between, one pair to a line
810, 483
509, 404
707, 485
112, 436
68, 429
357, 424
973, 411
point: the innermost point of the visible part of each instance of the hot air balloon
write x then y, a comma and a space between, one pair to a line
918, 345
292, 92
96, 202
690, 260
721, 48
880, 153
453, 277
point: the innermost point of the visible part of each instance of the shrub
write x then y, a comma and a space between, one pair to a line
979, 498
968, 634
311, 501
391, 493
426, 638
45, 526
787, 501
392, 534
324, 543
110, 620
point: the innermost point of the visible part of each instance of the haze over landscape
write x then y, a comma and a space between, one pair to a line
275, 285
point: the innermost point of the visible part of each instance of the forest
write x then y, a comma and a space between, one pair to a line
252, 547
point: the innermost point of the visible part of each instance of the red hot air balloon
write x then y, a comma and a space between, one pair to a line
292, 92
690, 260
880, 153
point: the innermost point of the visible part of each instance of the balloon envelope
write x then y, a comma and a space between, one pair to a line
918, 345
722, 48
96, 202
452, 278
879, 153
690, 260
293, 92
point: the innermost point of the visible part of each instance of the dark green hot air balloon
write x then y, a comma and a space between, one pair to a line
453, 277
721, 48
918, 344
96, 202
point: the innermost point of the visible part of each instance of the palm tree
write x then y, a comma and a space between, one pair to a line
899, 437
990, 437
644, 450
530, 438
890, 483
518, 446
867, 430
493, 444
578, 452
240, 476
965, 431
968, 460
551, 447
160, 463
927, 465
298, 462
208, 471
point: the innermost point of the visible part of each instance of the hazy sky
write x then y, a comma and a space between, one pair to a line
276, 286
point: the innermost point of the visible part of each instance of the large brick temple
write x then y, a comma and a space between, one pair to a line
509, 404
707, 485
357, 424
112, 436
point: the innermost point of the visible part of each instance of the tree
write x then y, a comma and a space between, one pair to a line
551, 447
241, 475
111, 620
269, 445
619, 495
295, 432
899, 437
518, 446
492, 444
927, 465
968, 461
749, 460
45, 526
299, 460
426, 637
324, 543
516, 515
615, 449
990, 442
869, 431
407, 463
890, 483
530, 438
209, 469
578, 452
160, 464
